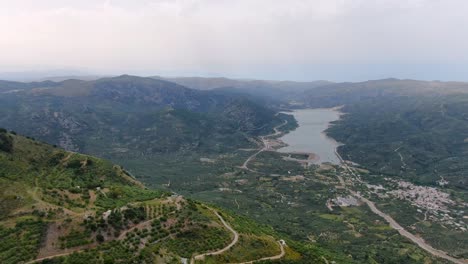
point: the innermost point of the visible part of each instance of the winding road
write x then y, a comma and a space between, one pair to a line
265, 143
54, 256
233, 242
221, 251
279, 256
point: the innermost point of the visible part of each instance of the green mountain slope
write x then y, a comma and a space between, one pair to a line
83, 115
350, 93
263, 91
137, 122
11, 87
415, 129
65, 207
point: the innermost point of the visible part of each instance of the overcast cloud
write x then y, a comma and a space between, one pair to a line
274, 39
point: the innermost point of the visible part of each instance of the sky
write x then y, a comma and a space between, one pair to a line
337, 40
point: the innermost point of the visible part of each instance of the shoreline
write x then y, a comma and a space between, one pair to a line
318, 158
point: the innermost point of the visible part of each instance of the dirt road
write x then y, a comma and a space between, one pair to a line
279, 256
221, 251
266, 145
55, 256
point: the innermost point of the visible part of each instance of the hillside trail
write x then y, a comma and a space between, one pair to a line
36, 197
279, 256
393, 224
402, 159
266, 146
55, 256
220, 251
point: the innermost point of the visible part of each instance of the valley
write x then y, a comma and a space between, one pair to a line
74, 208
272, 162
353, 176
233, 132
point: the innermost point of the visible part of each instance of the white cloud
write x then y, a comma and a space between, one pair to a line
228, 36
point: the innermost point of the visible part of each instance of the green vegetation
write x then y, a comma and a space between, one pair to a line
21, 242
74, 239
194, 142
428, 132
198, 240
295, 206
134, 117
249, 248
6, 143
58, 202
44, 188
121, 195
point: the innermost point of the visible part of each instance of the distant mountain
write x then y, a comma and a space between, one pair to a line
347, 93
38, 75
11, 87
72, 77
263, 91
131, 114
206, 83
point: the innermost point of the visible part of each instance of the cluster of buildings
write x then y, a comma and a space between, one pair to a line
432, 202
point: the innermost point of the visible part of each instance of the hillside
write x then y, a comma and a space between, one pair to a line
415, 129
199, 151
134, 117
426, 121
349, 93
263, 91
73, 112
206, 83
11, 87
64, 207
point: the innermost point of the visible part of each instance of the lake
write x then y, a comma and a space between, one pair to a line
309, 137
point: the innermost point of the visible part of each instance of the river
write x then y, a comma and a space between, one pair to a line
309, 137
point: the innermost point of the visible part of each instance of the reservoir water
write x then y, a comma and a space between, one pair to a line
309, 137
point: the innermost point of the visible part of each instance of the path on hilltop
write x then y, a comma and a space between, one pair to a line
220, 251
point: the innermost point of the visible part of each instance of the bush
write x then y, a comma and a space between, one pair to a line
100, 238
74, 164
6, 142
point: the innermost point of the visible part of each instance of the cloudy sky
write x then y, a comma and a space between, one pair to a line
270, 39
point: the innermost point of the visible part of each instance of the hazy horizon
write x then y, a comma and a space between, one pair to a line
294, 40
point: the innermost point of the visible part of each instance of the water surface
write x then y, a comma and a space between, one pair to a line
309, 137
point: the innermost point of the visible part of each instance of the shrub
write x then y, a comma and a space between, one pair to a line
100, 238
6, 142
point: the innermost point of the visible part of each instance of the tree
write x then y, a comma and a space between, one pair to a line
100, 238
6, 142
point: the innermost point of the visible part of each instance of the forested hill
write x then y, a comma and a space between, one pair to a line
132, 115
414, 129
424, 139
63, 207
